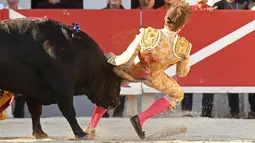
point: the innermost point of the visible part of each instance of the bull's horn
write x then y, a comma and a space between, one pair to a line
123, 75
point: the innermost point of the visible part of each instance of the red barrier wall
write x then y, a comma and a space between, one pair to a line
115, 29
112, 30
233, 65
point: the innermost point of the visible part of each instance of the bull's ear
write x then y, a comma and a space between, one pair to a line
123, 75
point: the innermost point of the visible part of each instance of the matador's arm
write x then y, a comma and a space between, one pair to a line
183, 67
130, 53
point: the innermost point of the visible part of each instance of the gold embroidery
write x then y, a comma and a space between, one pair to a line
150, 37
182, 47
154, 56
6, 98
183, 67
167, 85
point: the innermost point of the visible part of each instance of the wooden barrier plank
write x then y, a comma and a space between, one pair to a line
131, 105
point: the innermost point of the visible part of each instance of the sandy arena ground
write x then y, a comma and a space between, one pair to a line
119, 130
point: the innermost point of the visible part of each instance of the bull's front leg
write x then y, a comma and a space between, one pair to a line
60, 82
65, 105
35, 109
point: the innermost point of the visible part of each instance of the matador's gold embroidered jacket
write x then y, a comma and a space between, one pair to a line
151, 52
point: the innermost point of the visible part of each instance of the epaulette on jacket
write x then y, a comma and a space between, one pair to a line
150, 37
182, 47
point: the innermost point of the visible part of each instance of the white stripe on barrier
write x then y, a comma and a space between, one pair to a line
211, 49
14, 14
217, 45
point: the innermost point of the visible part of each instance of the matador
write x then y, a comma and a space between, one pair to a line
151, 52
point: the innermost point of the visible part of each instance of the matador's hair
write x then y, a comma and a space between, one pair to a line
177, 15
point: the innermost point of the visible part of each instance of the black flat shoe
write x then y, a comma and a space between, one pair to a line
137, 126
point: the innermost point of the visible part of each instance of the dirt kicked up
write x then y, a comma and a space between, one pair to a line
119, 130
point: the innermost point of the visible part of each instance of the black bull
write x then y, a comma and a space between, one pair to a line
40, 59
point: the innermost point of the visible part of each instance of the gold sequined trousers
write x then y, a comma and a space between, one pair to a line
167, 85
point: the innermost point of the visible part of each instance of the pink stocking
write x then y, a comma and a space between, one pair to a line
96, 116
160, 105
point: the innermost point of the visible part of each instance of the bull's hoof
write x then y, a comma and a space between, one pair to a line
87, 137
40, 135
82, 136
